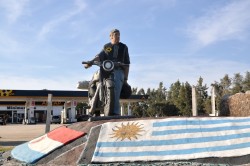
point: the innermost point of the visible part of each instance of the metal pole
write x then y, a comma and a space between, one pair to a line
49, 108
25, 112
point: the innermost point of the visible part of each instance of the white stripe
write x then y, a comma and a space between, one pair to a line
177, 147
228, 153
200, 134
62, 154
201, 126
43, 144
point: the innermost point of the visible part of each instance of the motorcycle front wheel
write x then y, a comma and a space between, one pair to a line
109, 101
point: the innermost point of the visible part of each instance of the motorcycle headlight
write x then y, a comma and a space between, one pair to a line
108, 65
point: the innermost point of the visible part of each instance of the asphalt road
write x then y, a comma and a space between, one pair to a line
15, 134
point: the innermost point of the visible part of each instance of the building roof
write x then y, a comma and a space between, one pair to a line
15, 97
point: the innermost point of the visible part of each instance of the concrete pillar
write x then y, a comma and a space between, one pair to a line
64, 113
122, 109
87, 111
31, 112
213, 101
32, 106
73, 111
25, 112
129, 110
12, 116
194, 102
49, 108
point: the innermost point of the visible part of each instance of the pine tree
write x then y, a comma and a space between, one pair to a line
157, 98
134, 91
181, 101
222, 88
161, 93
237, 83
224, 85
141, 92
148, 91
218, 94
201, 96
188, 99
173, 92
246, 82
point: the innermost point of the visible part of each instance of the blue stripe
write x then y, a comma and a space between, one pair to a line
172, 141
198, 130
24, 153
172, 152
199, 122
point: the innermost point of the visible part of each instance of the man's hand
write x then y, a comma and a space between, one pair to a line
87, 65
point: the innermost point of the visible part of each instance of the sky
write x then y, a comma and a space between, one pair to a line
43, 42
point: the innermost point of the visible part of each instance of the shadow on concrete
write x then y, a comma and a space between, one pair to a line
11, 143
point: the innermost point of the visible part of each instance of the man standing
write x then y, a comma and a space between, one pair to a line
117, 52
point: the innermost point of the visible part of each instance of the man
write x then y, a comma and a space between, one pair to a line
117, 52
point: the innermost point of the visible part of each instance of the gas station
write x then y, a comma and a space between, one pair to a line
30, 106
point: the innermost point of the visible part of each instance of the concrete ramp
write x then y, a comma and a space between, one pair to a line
87, 153
192, 140
38, 148
170, 139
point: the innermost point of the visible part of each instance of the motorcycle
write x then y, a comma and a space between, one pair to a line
101, 92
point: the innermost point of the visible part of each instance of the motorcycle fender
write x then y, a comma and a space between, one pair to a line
110, 83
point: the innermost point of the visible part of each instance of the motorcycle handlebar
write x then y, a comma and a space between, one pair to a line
85, 62
120, 64
97, 63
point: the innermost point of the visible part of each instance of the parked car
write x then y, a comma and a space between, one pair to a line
56, 119
32, 120
82, 118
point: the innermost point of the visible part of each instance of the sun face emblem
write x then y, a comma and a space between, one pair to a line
128, 131
109, 49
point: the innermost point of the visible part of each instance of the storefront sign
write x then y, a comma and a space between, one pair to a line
15, 108
6, 93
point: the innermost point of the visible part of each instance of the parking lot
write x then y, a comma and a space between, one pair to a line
15, 134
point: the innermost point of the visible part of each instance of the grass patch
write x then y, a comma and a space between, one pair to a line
5, 148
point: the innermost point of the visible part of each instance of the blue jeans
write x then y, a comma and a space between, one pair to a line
119, 79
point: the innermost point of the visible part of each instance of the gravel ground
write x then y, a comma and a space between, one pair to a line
1, 158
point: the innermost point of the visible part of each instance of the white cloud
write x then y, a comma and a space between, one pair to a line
14, 8
9, 45
32, 83
229, 22
80, 5
168, 71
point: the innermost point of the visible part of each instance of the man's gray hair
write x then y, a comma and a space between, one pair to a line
114, 31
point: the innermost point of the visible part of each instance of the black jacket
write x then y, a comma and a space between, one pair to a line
107, 53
